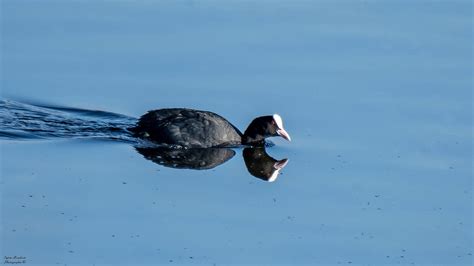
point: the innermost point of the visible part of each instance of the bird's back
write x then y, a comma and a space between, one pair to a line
188, 128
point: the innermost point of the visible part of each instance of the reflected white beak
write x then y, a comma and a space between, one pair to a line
278, 166
284, 134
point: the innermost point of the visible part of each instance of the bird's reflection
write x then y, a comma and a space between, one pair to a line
198, 159
257, 161
261, 165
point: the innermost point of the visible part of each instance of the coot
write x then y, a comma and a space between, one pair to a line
203, 129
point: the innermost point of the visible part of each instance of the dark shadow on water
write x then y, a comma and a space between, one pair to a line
257, 160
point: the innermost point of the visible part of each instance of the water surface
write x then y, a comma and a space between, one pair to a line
376, 96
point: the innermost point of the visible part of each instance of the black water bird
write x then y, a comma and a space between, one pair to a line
202, 129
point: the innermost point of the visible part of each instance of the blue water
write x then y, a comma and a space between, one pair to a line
377, 97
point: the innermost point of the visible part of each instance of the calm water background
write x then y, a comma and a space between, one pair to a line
376, 96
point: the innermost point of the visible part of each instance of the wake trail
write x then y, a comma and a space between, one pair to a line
22, 121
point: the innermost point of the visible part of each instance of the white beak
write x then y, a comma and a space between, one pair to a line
283, 134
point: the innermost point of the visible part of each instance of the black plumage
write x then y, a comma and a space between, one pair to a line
203, 129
